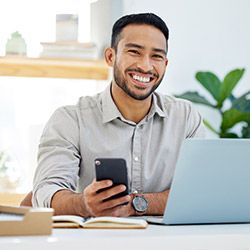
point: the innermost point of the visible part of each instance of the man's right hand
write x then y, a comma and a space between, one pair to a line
98, 203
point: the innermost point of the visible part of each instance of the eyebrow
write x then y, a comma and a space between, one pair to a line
135, 45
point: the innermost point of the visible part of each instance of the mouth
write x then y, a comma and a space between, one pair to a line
142, 80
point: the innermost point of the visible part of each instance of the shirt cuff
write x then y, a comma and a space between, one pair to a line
42, 195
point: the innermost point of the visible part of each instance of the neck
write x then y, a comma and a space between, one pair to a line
131, 109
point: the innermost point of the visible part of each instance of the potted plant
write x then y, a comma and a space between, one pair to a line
221, 92
3, 159
9, 175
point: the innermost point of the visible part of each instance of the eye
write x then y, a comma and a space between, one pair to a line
158, 57
133, 52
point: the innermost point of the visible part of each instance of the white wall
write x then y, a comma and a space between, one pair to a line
204, 35
103, 14
207, 35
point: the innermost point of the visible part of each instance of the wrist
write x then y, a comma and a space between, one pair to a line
132, 210
82, 208
139, 204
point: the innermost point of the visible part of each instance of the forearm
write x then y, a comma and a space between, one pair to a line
68, 202
156, 202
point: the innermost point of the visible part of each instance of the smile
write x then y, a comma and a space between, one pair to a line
141, 78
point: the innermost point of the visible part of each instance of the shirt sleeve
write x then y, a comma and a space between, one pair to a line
58, 157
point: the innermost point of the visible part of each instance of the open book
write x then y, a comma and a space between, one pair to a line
72, 221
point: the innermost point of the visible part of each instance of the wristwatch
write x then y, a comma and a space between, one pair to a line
140, 204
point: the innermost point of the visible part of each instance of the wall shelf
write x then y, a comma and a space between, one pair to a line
55, 68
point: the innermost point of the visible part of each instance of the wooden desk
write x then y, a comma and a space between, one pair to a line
219, 237
55, 68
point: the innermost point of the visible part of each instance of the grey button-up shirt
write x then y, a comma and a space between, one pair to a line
76, 135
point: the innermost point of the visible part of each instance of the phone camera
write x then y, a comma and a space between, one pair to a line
97, 163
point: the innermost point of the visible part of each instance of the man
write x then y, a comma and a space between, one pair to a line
128, 120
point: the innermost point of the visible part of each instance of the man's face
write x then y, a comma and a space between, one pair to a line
140, 60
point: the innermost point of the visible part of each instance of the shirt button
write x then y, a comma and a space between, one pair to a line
136, 158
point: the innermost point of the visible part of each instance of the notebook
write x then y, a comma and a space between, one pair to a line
72, 221
211, 183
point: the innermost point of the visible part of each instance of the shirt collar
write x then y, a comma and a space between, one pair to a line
157, 106
111, 112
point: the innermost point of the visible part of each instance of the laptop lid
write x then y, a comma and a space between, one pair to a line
211, 183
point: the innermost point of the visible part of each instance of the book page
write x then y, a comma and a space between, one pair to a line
119, 220
69, 221
64, 219
115, 222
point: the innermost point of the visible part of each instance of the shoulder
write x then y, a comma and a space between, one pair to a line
64, 113
84, 104
170, 103
89, 102
184, 113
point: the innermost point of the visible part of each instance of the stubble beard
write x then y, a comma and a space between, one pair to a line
123, 84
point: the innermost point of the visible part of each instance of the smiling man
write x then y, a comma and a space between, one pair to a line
128, 120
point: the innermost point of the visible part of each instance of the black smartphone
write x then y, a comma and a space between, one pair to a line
114, 169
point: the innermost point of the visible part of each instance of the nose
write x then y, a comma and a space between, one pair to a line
145, 64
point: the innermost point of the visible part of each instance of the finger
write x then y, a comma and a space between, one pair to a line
111, 192
97, 185
115, 202
119, 211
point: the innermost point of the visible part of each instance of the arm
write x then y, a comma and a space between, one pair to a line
27, 200
156, 202
89, 203
68, 202
58, 157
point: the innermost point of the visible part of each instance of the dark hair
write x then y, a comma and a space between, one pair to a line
142, 18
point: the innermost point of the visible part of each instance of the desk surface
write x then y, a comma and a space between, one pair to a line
203, 237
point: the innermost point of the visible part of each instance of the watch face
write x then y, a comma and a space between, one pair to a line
140, 204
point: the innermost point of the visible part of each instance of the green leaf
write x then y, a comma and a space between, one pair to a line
229, 135
231, 98
239, 112
232, 117
210, 82
229, 83
246, 131
196, 98
242, 103
209, 126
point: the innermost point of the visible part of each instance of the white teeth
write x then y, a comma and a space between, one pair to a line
141, 79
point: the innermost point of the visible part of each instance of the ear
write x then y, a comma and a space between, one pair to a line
166, 62
109, 56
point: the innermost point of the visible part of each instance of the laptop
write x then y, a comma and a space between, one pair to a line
211, 183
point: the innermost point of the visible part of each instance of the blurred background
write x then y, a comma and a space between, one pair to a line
205, 35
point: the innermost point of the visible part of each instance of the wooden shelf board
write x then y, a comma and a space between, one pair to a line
55, 68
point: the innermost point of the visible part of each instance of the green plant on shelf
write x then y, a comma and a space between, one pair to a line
9, 173
3, 160
237, 110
